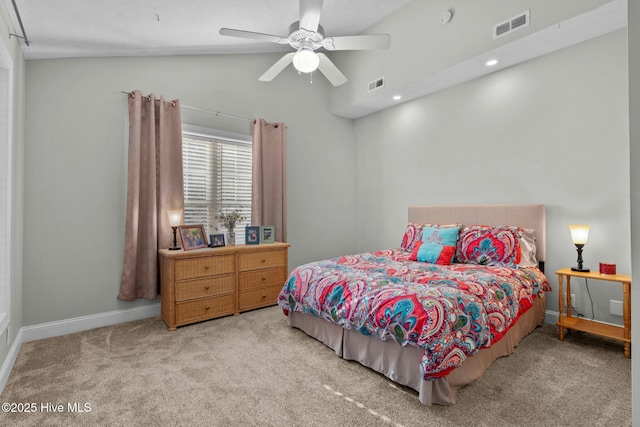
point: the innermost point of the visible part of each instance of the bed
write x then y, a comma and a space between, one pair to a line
425, 319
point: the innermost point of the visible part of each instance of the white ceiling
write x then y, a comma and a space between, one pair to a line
89, 28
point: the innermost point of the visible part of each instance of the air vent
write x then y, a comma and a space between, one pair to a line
516, 23
376, 84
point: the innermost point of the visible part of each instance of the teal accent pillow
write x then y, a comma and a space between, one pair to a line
438, 245
440, 236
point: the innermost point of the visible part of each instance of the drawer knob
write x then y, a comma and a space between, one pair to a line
264, 260
206, 288
206, 308
206, 267
264, 278
264, 296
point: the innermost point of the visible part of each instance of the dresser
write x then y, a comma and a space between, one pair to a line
207, 283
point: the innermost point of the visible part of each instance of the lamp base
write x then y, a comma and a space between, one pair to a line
175, 248
581, 270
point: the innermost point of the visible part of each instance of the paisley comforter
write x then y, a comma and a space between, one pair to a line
449, 311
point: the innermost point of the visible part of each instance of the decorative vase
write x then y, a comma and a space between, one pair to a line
232, 238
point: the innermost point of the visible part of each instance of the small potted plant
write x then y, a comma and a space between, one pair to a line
229, 219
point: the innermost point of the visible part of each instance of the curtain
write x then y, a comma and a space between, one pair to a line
154, 186
269, 177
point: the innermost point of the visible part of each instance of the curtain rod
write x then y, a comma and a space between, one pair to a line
24, 34
216, 113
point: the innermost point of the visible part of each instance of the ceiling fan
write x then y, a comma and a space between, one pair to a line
306, 36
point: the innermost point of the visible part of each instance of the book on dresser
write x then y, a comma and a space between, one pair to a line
203, 284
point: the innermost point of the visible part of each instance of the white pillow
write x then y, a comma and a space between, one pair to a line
528, 248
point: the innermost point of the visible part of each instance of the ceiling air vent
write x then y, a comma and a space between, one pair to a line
376, 84
516, 23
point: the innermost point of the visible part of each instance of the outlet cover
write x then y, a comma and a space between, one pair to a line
615, 307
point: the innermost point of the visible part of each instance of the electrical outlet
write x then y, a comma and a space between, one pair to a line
573, 298
615, 307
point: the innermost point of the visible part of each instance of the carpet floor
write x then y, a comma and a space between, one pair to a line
254, 370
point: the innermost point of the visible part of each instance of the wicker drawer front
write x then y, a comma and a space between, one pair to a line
208, 287
259, 297
202, 267
262, 259
192, 311
254, 279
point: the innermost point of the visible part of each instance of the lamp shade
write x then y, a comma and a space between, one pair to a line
175, 217
579, 233
306, 60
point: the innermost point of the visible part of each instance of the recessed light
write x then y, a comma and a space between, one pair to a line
397, 98
491, 62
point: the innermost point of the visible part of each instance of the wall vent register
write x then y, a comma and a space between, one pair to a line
513, 24
376, 84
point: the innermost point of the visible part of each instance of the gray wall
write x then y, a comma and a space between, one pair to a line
553, 130
76, 154
421, 46
634, 132
17, 161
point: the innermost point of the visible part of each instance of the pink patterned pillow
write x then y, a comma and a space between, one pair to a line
412, 235
485, 245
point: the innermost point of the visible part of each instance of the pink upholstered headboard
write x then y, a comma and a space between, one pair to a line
526, 216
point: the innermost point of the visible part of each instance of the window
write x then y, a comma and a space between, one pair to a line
217, 174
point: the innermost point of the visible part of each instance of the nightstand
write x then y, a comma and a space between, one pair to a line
567, 321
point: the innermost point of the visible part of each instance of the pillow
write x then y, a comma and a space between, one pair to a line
445, 236
436, 254
528, 248
413, 234
485, 245
438, 244
414, 251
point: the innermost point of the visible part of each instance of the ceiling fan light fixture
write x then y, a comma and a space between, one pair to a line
306, 60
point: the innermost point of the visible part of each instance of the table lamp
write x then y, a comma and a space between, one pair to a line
175, 218
579, 235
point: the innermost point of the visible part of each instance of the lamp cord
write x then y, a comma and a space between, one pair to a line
586, 282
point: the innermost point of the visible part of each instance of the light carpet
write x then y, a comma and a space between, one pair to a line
254, 370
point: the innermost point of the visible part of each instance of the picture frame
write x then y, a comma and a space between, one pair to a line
193, 236
216, 240
252, 235
267, 234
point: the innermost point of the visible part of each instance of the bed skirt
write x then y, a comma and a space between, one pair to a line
402, 364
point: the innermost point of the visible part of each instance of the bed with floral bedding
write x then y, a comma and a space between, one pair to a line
435, 312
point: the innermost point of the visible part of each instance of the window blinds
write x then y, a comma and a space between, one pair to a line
217, 173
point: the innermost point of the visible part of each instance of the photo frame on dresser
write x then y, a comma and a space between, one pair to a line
267, 234
193, 236
252, 235
216, 240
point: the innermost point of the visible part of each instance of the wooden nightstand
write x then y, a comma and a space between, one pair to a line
566, 320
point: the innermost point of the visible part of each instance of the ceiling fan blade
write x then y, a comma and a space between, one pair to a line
276, 68
330, 71
363, 42
251, 35
310, 11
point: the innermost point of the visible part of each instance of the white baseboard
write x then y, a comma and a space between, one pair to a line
551, 317
10, 360
84, 323
69, 326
